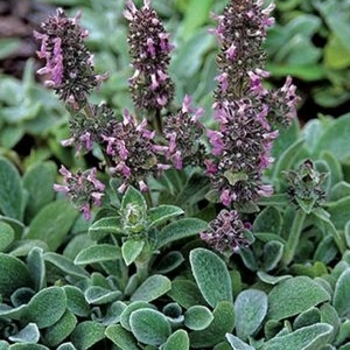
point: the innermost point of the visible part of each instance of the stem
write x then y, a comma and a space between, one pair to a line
141, 270
294, 237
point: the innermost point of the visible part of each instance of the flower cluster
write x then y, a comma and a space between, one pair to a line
131, 148
183, 132
83, 189
244, 108
149, 48
69, 67
227, 233
306, 186
242, 151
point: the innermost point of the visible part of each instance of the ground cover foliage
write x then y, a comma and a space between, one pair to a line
168, 239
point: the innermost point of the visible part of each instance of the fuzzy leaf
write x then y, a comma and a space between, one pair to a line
306, 338
134, 197
198, 318
150, 326
340, 213
67, 346
55, 334
98, 253
210, 272
14, 274
251, 307
186, 293
133, 306
29, 334
11, 198
169, 262
152, 288
236, 343
4, 345
53, 223
131, 249
273, 252
76, 301
98, 295
38, 181
120, 337
7, 235
301, 292
269, 220
86, 334
341, 300
65, 265
178, 340
223, 322
105, 226
24, 346
47, 307
36, 267
163, 213
179, 229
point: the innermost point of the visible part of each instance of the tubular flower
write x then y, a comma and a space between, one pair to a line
149, 48
226, 233
183, 132
131, 148
82, 188
68, 68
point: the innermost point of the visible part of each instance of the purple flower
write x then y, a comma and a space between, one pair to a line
149, 49
226, 233
82, 188
183, 132
68, 70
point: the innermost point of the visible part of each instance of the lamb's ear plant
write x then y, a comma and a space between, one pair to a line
202, 240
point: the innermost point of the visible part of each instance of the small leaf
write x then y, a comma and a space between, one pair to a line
98, 295
120, 337
251, 306
307, 318
301, 292
273, 252
179, 229
11, 199
310, 338
236, 343
131, 249
47, 307
273, 280
198, 318
76, 301
339, 211
152, 288
150, 326
67, 346
104, 227
269, 220
136, 305
87, 334
65, 265
29, 334
210, 272
224, 322
55, 334
14, 274
163, 213
341, 300
52, 223
98, 253
186, 293
134, 197
178, 340
7, 235
169, 262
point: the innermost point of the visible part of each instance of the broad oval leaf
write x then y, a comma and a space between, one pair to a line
178, 340
136, 305
152, 288
236, 343
47, 307
162, 213
28, 346
76, 301
210, 272
98, 295
131, 249
198, 318
121, 337
29, 334
150, 326
341, 300
98, 253
251, 309
7, 235
86, 334
14, 274
105, 226
301, 292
